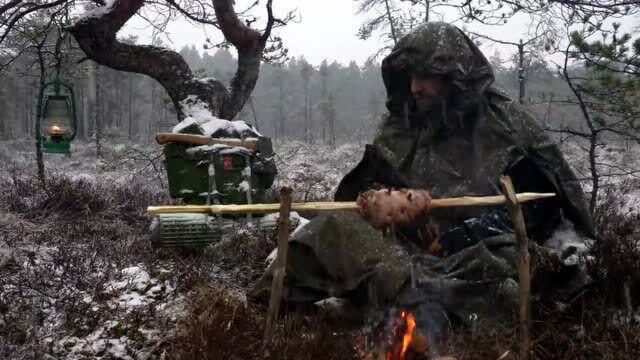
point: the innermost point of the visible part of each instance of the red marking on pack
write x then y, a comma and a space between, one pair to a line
228, 163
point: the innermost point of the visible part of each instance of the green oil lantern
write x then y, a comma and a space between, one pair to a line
56, 121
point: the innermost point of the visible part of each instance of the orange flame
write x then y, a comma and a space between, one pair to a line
407, 325
408, 335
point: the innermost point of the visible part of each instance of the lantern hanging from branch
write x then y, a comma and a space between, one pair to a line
56, 121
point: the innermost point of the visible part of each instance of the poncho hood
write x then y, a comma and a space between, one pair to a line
435, 48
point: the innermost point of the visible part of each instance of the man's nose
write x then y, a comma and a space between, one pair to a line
416, 87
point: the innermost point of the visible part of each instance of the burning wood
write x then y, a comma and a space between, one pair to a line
400, 340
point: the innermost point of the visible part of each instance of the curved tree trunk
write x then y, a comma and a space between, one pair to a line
96, 36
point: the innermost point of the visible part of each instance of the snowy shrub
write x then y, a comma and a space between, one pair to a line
314, 171
616, 254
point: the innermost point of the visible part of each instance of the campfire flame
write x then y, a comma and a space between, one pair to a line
408, 335
407, 325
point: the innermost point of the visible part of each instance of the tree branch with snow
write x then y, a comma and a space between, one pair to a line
96, 32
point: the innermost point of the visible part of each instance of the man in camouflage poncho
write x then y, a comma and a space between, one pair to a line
450, 133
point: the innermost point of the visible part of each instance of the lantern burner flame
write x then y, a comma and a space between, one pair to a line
55, 130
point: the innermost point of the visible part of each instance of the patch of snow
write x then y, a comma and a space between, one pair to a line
154, 290
237, 150
222, 138
633, 201
83, 177
155, 222
271, 258
303, 222
99, 344
197, 112
332, 302
242, 126
271, 221
97, 12
133, 299
119, 147
243, 186
624, 317
184, 124
208, 148
565, 238
214, 125
206, 80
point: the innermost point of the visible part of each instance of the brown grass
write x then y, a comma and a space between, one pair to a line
221, 325
582, 331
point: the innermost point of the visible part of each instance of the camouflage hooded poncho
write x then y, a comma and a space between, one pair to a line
460, 148
463, 145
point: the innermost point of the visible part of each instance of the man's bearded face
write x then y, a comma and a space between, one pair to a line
427, 91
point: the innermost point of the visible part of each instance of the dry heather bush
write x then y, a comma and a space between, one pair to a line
243, 255
582, 331
61, 245
80, 198
221, 325
616, 256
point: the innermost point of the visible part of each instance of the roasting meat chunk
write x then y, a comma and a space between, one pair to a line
383, 208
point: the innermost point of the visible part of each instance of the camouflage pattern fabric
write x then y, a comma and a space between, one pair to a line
460, 147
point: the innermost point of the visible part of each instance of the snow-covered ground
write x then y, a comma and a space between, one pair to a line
81, 280
314, 171
618, 167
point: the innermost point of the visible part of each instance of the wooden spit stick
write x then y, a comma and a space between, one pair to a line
522, 261
330, 206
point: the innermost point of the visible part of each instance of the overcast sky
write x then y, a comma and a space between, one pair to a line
326, 29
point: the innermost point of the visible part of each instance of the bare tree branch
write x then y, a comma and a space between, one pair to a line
13, 20
250, 45
96, 36
203, 19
